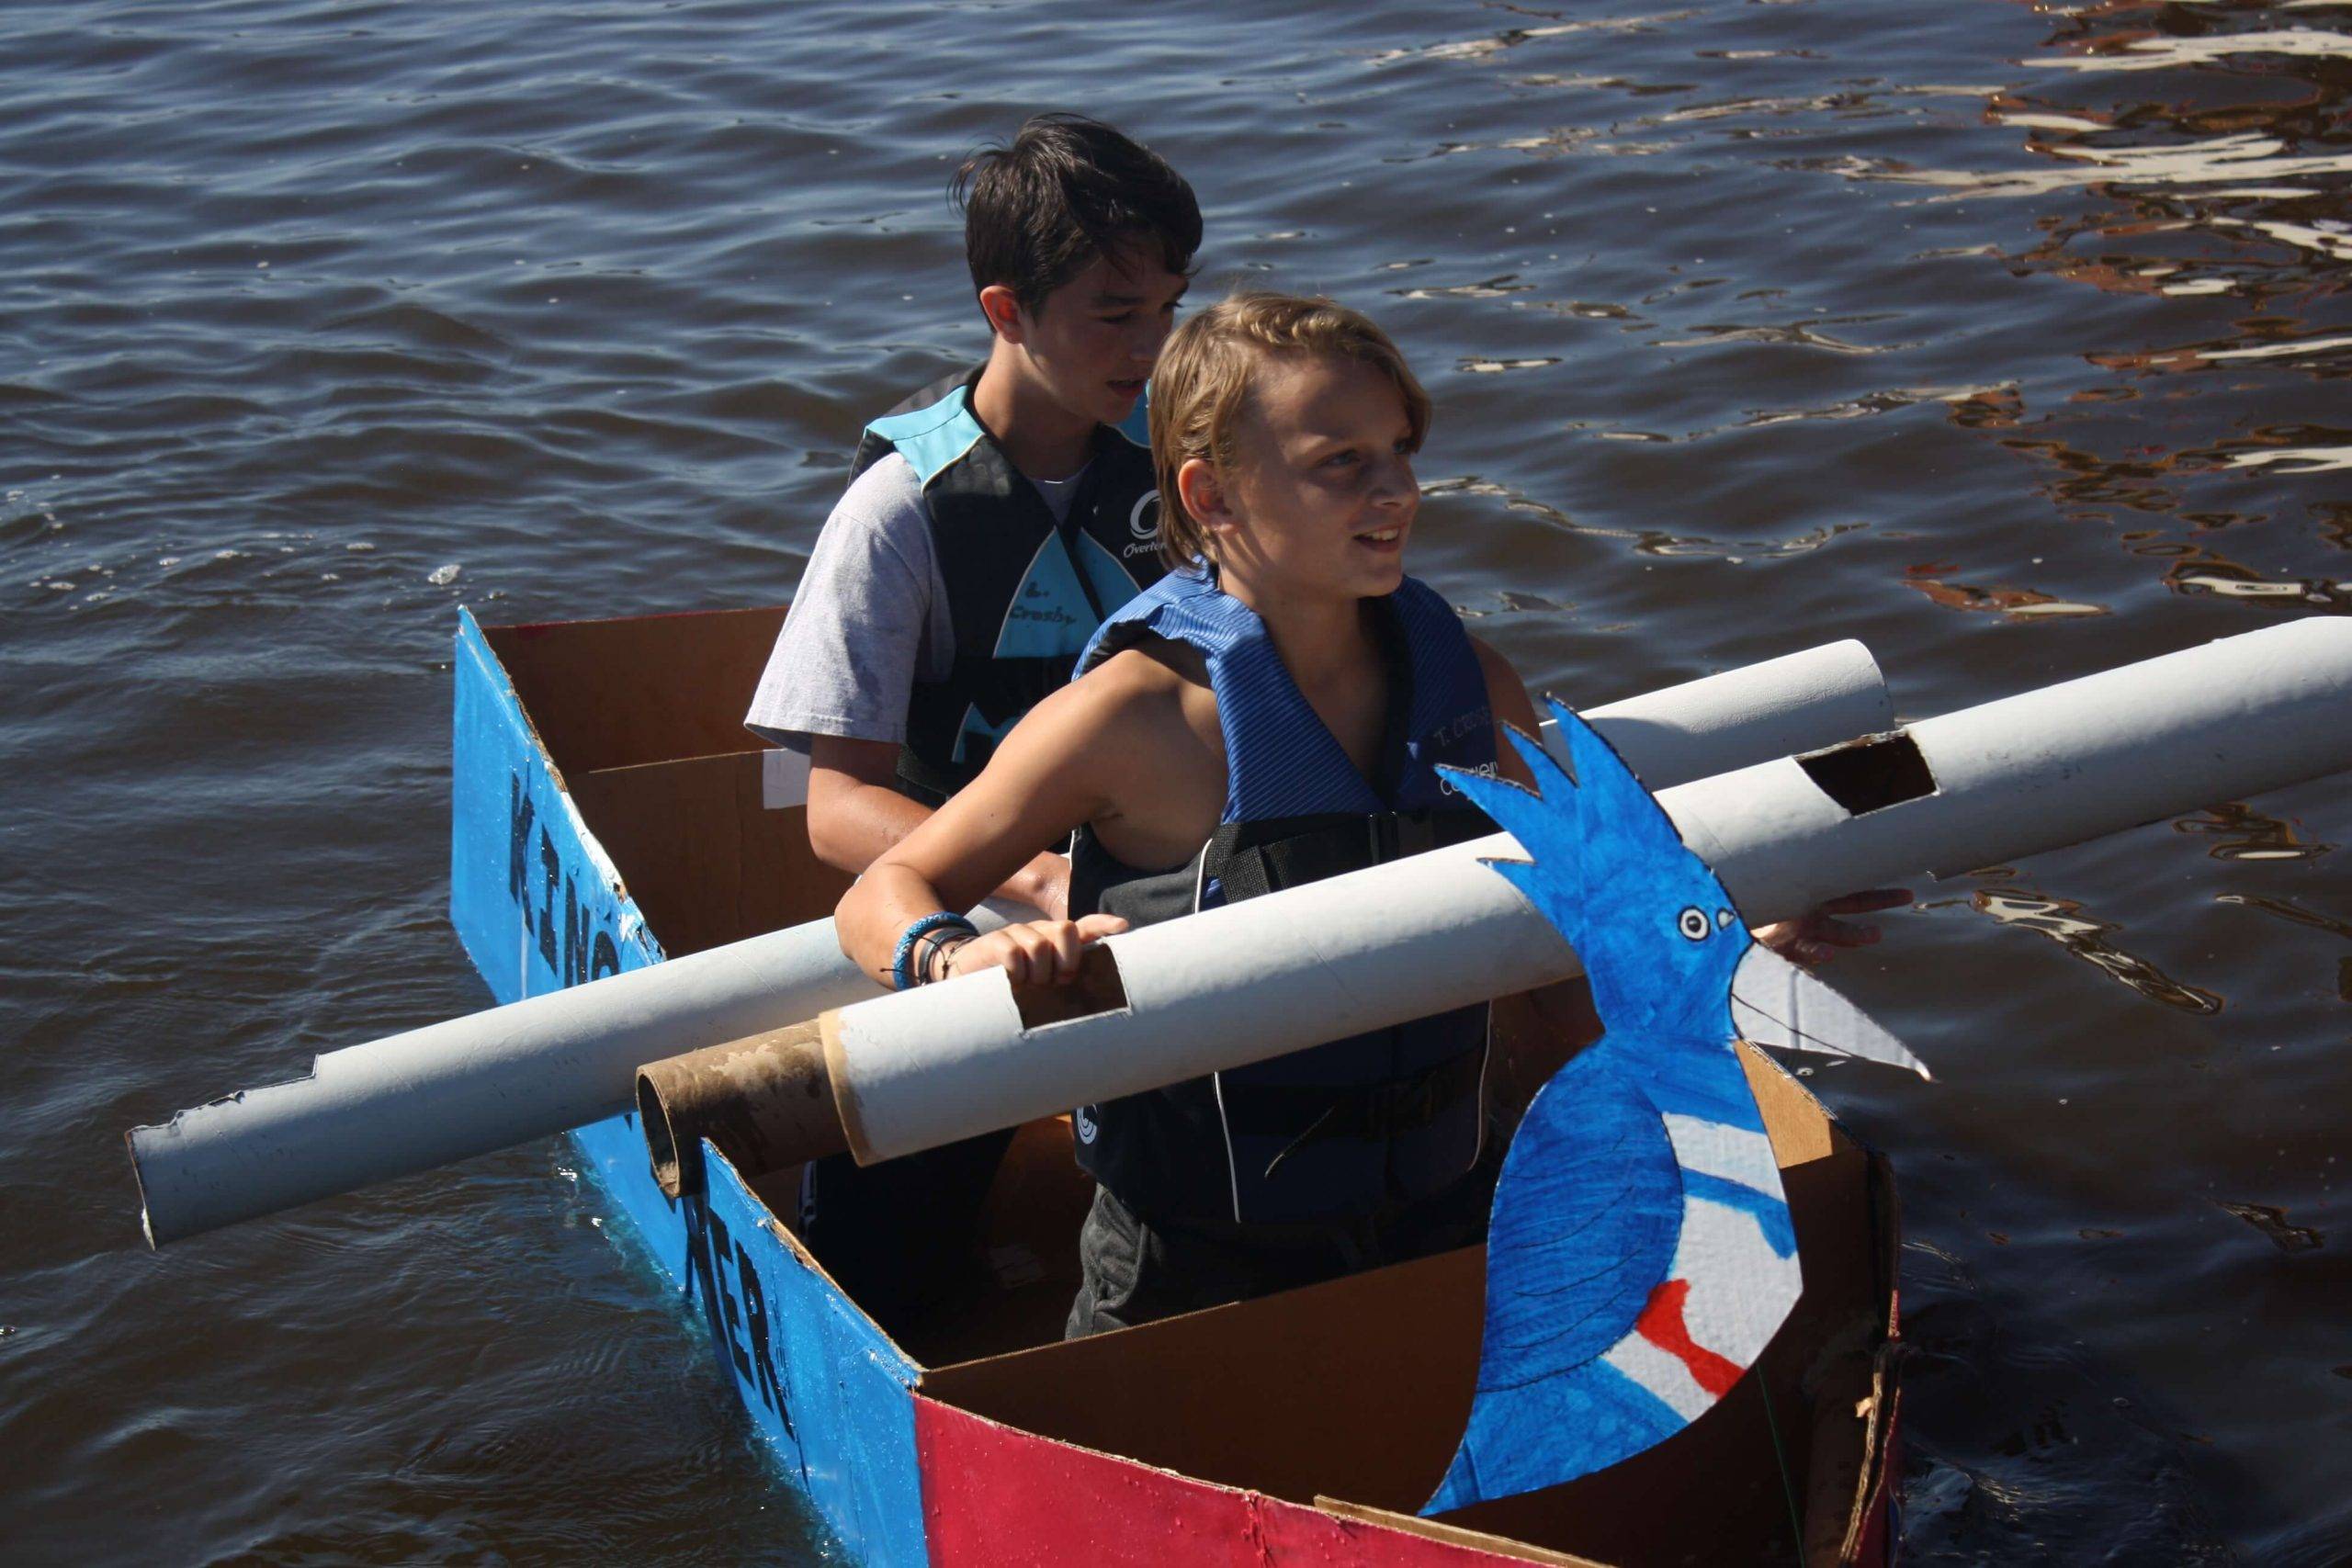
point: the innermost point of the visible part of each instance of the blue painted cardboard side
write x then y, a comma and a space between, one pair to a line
530, 893
530, 902
824, 1386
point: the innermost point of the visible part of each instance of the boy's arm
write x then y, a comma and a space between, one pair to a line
856, 816
838, 682
1508, 698
1072, 759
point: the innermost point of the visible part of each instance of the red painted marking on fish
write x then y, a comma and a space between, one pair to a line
1661, 1324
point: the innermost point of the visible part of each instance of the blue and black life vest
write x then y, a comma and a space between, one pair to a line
1024, 593
1343, 1130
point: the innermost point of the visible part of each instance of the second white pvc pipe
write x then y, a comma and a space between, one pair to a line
1374, 948
451, 1090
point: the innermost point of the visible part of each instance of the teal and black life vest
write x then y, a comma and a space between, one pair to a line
1024, 593
1342, 1131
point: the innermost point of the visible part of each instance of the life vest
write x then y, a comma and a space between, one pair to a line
1024, 593
1343, 1130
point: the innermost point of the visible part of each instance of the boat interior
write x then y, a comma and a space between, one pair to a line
1349, 1395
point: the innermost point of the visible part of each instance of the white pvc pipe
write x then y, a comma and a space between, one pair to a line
1253, 980
2233, 718
1783, 705
432, 1096
451, 1090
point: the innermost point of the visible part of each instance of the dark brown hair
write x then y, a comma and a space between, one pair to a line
1066, 189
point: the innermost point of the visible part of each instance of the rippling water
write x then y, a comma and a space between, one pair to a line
2010, 339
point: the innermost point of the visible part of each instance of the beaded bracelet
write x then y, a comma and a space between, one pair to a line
902, 978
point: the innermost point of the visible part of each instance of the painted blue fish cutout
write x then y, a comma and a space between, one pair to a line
1641, 1252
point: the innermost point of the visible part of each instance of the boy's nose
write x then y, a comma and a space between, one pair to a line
1393, 483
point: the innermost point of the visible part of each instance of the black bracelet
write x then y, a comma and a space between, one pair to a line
938, 946
901, 977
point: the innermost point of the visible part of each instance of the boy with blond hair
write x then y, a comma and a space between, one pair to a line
1273, 712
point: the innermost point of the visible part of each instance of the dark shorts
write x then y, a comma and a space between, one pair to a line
902, 1237
1134, 1271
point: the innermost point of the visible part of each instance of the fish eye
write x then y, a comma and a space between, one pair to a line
1693, 924
1722, 919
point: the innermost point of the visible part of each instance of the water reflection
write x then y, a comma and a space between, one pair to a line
2272, 1223
2017, 603
2125, 51
2199, 571
1494, 287
2296, 914
1493, 44
1645, 541
1802, 334
2196, 356
2289, 910
2240, 832
1477, 365
2063, 921
2199, 158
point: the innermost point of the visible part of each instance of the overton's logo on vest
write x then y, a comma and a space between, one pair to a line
1145, 529
1083, 1120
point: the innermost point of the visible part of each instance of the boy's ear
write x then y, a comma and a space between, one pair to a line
1198, 487
1003, 312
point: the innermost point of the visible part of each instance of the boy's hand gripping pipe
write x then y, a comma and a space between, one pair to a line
1254, 980
462, 1087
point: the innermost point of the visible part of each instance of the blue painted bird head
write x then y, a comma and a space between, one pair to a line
1657, 933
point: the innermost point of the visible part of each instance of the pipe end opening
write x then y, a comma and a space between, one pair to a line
677, 1173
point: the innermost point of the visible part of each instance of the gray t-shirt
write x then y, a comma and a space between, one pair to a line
870, 619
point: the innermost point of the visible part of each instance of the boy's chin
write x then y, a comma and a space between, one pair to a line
1378, 579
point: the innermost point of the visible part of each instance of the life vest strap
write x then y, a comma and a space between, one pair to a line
1248, 860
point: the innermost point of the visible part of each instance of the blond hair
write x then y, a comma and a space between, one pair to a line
1202, 381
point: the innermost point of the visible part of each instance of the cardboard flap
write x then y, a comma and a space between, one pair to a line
644, 689
702, 855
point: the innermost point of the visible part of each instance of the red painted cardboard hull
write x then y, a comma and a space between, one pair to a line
995, 1497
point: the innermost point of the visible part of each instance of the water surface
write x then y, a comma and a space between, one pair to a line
2010, 339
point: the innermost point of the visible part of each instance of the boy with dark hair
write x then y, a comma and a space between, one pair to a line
992, 521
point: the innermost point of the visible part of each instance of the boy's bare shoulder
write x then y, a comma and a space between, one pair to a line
1142, 688
1152, 691
1147, 707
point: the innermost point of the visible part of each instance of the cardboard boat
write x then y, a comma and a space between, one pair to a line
609, 811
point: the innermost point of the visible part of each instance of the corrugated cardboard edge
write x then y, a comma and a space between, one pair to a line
1453, 1535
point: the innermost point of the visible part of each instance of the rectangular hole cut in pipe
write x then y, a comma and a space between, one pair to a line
1871, 774
1097, 989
